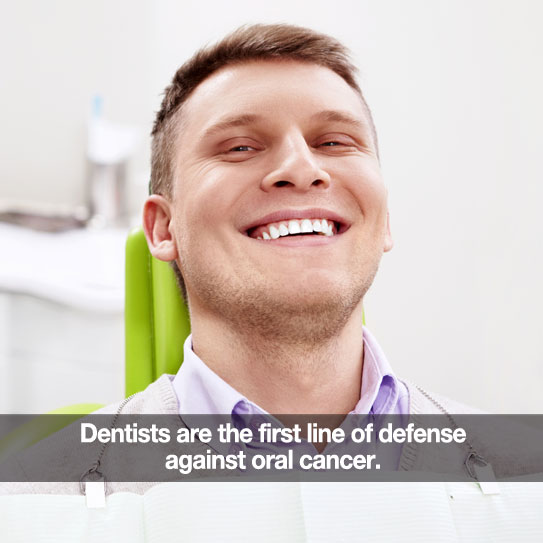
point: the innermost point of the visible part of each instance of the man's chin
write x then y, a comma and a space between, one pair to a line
296, 312
306, 297
279, 306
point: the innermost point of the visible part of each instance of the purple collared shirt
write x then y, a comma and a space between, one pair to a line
201, 391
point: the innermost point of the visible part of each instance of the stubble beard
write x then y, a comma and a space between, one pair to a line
288, 321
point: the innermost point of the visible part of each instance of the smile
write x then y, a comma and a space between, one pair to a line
294, 227
297, 227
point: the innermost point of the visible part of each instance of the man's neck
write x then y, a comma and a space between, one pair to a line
286, 376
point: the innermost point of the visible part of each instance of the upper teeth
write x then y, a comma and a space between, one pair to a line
295, 226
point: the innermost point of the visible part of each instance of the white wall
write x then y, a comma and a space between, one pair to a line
55, 57
455, 88
457, 97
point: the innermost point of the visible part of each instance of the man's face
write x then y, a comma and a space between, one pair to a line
266, 148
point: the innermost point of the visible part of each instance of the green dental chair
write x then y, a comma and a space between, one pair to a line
156, 317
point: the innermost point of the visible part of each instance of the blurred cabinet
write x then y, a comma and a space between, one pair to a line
55, 355
61, 319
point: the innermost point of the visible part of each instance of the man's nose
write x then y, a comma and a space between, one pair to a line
295, 166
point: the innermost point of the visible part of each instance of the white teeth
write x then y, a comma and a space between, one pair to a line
294, 227
297, 226
306, 226
274, 233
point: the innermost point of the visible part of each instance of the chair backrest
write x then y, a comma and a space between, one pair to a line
156, 316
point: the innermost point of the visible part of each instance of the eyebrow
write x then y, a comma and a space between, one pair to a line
250, 118
333, 115
231, 122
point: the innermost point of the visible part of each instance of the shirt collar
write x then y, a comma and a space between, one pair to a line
380, 387
201, 391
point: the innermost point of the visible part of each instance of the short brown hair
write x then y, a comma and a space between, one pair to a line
248, 43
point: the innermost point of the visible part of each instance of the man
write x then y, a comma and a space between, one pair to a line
268, 196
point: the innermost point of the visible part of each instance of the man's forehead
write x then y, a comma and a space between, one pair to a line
246, 93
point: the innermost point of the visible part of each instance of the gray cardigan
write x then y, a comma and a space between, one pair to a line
160, 398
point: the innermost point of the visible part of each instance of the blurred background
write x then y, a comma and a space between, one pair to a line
455, 87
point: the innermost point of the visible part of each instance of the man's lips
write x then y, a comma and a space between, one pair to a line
296, 223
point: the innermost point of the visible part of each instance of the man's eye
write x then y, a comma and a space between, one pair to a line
241, 148
331, 143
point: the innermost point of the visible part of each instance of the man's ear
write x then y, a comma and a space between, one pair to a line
388, 236
157, 226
